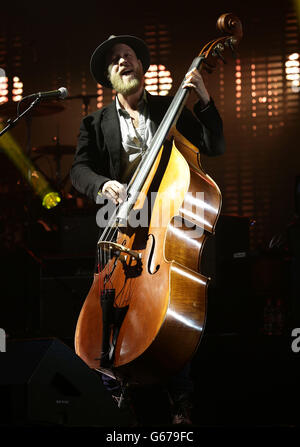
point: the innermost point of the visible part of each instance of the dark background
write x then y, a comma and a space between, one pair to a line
50, 46
47, 256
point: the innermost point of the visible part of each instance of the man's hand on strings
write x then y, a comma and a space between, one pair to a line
114, 191
194, 80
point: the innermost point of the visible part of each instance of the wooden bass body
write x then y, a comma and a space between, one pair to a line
158, 278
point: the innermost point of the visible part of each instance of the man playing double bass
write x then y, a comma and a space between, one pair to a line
113, 140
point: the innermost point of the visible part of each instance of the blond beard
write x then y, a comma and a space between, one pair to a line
127, 87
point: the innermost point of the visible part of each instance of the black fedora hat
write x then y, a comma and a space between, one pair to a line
98, 63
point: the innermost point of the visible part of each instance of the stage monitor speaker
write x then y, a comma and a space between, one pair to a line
43, 382
226, 260
79, 234
64, 285
19, 278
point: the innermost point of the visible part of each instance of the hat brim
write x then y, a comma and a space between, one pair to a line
98, 63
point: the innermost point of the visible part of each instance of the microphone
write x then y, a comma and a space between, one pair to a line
61, 93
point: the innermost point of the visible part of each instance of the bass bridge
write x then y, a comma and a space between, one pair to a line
125, 254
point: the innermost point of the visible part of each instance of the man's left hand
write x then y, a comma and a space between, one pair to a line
194, 80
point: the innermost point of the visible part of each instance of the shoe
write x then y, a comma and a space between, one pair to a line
181, 411
117, 399
181, 419
123, 400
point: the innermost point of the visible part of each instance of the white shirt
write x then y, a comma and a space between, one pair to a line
135, 141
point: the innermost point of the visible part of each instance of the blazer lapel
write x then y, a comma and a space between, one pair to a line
112, 136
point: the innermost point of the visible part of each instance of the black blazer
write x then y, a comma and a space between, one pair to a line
97, 157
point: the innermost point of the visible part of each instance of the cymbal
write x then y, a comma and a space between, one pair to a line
83, 97
56, 149
9, 109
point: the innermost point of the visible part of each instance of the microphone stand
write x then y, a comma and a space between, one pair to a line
85, 100
12, 123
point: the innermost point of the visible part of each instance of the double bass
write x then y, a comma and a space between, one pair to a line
145, 313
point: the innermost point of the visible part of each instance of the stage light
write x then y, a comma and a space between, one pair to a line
262, 99
158, 80
36, 180
3, 89
292, 70
17, 89
99, 96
